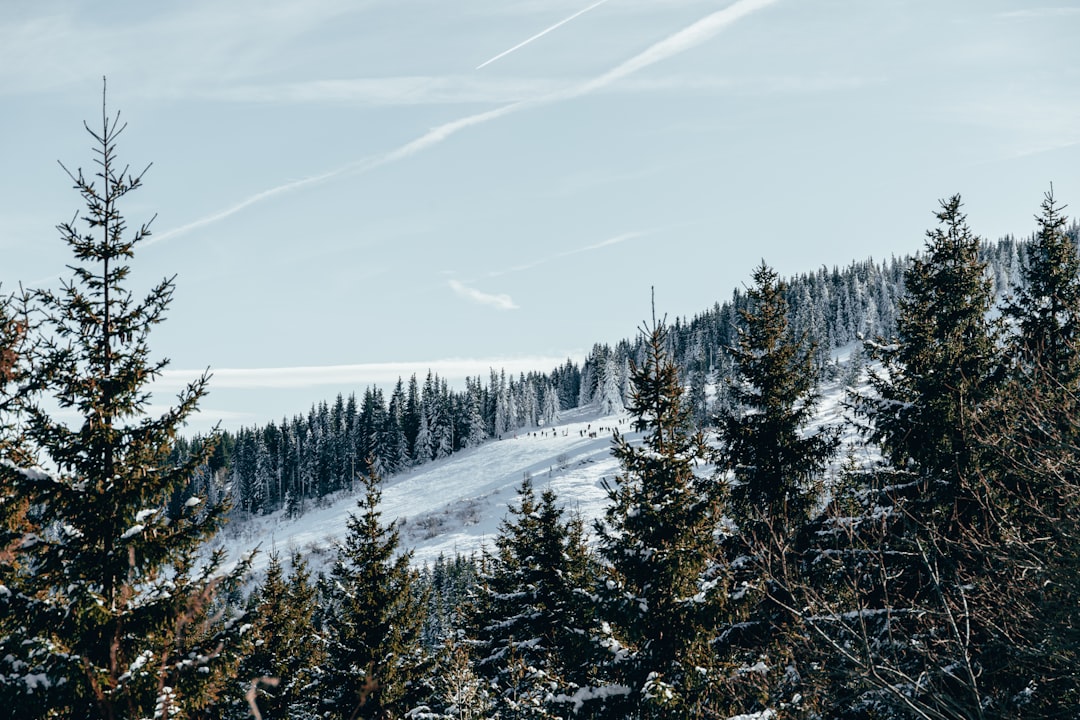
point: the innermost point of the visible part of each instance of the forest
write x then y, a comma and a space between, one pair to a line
742, 569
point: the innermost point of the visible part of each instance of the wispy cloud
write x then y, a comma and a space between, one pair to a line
1042, 12
395, 91
246, 203
686, 39
541, 34
501, 301
356, 375
567, 253
690, 37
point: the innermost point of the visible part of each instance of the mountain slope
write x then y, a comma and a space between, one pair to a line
454, 505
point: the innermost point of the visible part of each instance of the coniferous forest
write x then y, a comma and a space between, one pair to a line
743, 567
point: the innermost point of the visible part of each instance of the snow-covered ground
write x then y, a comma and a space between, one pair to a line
455, 505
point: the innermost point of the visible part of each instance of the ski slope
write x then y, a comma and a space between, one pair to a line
455, 505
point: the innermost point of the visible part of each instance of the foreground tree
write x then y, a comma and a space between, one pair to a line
281, 673
1045, 309
664, 584
116, 618
900, 596
776, 469
532, 618
372, 621
940, 371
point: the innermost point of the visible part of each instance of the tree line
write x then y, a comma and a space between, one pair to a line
294, 463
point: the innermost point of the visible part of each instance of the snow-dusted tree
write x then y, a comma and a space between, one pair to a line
938, 374
531, 619
442, 421
424, 448
549, 408
664, 585
530, 399
375, 664
610, 394
1045, 311
776, 466
396, 442
285, 664
115, 609
476, 431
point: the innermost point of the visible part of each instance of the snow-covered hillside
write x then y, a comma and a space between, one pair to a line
455, 505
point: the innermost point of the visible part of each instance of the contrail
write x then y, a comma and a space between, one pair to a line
687, 38
251, 200
541, 34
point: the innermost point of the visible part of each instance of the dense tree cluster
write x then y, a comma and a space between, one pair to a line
297, 461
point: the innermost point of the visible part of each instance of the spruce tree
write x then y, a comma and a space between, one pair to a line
283, 670
1045, 311
373, 618
531, 620
914, 557
1025, 551
117, 618
774, 464
663, 585
940, 370
776, 470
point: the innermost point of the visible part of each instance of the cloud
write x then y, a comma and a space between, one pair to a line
356, 375
1042, 12
396, 91
540, 34
687, 38
566, 253
502, 302
245, 203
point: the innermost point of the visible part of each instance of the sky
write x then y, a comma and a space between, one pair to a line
352, 190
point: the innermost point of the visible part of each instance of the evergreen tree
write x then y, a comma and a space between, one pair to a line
609, 395
116, 617
774, 465
941, 369
776, 470
1045, 311
285, 664
663, 585
476, 429
375, 665
913, 556
531, 620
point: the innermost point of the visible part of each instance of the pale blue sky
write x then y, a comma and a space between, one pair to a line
343, 182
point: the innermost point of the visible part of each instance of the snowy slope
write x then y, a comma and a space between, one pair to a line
455, 505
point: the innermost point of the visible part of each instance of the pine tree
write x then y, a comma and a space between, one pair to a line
116, 617
1025, 541
913, 557
776, 470
1045, 311
941, 369
774, 465
663, 583
284, 667
375, 665
531, 620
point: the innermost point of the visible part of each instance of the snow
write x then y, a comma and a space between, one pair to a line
454, 505
143, 515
